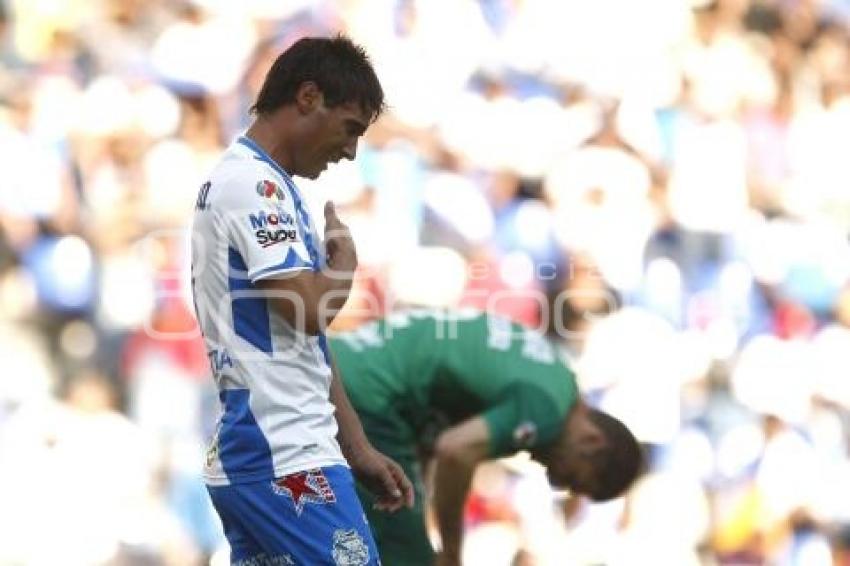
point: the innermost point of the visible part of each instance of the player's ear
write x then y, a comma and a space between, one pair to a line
308, 97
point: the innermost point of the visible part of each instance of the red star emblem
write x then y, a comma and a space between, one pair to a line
303, 487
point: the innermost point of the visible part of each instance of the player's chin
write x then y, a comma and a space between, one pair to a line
318, 170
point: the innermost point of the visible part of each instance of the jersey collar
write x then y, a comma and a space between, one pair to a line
260, 154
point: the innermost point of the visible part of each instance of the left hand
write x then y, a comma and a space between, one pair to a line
384, 478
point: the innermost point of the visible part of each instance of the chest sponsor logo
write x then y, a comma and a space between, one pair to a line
349, 548
272, 228
264, 219
305, 487
268, 238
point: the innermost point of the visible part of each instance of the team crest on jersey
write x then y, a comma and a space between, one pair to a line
525, 434
269, 190
305, 487
349, 548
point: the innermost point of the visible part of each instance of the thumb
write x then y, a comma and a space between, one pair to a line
330, 213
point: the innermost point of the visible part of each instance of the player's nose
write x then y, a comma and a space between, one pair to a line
349, 151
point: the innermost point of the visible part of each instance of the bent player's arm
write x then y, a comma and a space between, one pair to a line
458, 451
308, 300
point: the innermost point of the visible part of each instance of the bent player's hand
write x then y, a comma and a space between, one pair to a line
385, 479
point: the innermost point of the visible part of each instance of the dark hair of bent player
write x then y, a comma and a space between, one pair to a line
618, 463
340, 69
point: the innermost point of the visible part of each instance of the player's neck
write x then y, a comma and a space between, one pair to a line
266, 133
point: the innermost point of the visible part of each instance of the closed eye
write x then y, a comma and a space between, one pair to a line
354, 128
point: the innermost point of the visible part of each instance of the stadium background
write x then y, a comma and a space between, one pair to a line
689, 161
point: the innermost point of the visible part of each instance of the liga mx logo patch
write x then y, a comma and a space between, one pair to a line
269, 190
305, 487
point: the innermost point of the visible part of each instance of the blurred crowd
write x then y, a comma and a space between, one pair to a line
663, 186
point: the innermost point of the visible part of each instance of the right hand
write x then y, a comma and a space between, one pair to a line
342, 255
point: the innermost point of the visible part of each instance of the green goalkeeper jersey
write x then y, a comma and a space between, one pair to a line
416, 371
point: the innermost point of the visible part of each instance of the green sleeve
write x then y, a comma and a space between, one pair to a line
525, 417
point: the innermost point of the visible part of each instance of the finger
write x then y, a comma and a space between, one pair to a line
392, 491
403, 494
388, 496
386, 506
391, 506
408, 493
384, 503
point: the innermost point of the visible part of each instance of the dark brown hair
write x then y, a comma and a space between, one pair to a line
341, 70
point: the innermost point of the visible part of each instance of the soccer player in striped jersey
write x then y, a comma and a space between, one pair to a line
266, 285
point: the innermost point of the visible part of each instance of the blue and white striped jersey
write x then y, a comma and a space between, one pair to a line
250, 223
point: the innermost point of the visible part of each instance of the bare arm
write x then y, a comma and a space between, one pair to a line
381, 475
459, 450
352, 440
310, 300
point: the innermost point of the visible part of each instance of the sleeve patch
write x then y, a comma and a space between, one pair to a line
270, 190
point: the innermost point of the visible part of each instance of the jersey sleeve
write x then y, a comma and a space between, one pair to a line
525, 417
264, 228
